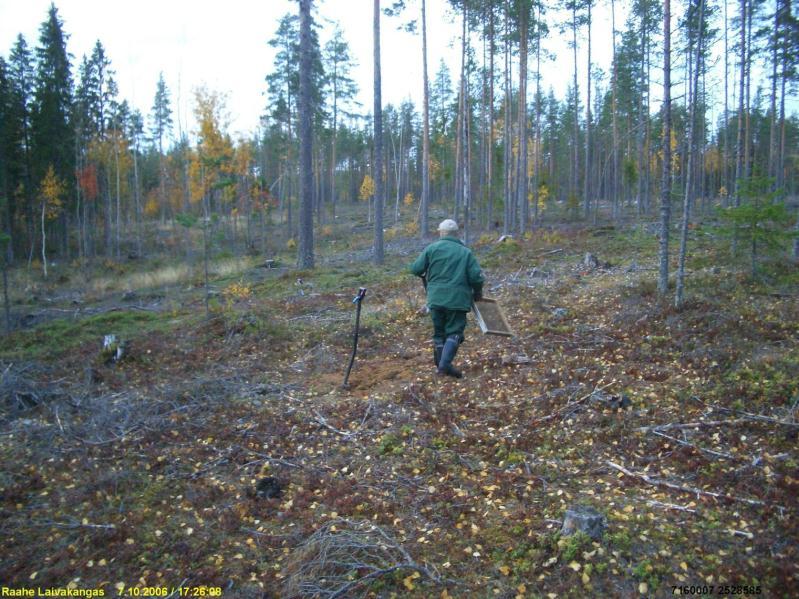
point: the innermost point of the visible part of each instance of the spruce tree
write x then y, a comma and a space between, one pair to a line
51, 133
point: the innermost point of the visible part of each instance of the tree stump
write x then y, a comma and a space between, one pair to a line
582, 518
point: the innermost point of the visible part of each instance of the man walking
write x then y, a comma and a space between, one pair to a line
453, 280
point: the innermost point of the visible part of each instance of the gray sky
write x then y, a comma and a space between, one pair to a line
224, 46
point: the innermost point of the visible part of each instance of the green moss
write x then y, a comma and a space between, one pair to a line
54, 338
574, 546
390, 445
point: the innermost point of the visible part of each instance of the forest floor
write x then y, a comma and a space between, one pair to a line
679, 427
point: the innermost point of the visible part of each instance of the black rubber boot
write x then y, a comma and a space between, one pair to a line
447, 355
438, 346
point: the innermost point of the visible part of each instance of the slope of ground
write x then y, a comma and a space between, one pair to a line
224, 451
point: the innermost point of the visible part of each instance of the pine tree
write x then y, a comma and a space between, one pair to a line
305, 257
665, 189
378, 140
160, 128
338, 65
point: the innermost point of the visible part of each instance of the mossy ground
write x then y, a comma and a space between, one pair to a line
471, 476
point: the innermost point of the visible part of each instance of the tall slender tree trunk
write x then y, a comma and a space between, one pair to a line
333, 197
740, 150
614, 186
643, 121
467, 160
424, 205
576, 141
378, 141
305, 258
137, 199
459, 129
118, 194
747, 172
739, 146
537, 134
524, 205
725, 156
686, 205
587, 173
507, 142
44, 240
665, 189
490, 149
772, 132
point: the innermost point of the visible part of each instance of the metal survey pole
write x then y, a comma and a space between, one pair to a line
358, 300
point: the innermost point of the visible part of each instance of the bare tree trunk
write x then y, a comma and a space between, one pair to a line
725, 156
643, 121
537, 134
576, 141
524, 205
772, 136
740, 161
6, 303
305, 257
587, 175
425, 201
506, 130
378, 141
614, 185
686, 205
137, 197
665, 190
490, 157
118, 200
747, 172
739, 149
44, 241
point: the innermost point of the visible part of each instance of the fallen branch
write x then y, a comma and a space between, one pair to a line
571, 406
322, 421
718, 454
684, 425
74, 524
749, 415
670, 506
555, 251
684, 489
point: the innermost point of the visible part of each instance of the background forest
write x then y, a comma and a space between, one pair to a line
179, 312
84, 175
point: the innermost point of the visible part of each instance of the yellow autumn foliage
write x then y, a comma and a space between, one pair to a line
367, 188
52, 189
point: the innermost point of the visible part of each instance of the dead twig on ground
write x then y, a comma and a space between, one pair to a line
571, 406
73, 524
343, 556
322, 421
718, 454
658, 482
712, 423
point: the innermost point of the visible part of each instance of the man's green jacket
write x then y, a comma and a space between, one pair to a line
452, 272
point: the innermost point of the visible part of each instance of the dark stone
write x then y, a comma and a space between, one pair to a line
583, 518
615, 402
268, 488
591, 261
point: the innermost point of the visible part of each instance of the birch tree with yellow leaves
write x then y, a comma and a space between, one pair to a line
50, 196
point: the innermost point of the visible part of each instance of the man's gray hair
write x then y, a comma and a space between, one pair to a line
448, 226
